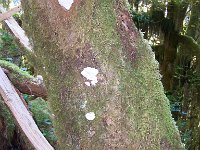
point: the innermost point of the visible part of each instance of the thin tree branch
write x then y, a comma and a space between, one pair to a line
21, 114
18, 32
9, 13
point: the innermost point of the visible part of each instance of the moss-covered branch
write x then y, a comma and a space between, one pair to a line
192, 46
23, 81
9, 13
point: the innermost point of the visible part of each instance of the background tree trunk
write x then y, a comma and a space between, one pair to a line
176, 14
131, 110
192, 99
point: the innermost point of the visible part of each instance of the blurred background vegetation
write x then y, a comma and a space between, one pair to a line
172, 27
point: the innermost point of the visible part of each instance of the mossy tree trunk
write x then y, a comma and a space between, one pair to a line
124, 107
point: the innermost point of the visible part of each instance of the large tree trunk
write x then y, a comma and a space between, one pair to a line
124, 106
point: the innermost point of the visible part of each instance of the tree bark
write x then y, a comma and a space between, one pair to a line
124, 106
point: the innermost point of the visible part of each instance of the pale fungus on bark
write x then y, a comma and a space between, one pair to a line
90, 116
66, 3
91, 75
39, 79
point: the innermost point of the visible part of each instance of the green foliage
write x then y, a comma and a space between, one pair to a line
5, 3
175, 102
192, 47
187, 74
10, 124
42, 116
11, 52
8, 49
141, 19
18, 18
195, 79
176, 109
186, 136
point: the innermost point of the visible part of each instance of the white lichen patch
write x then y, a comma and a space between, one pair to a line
87, 83
83, 104
91, 75
90, 116
66, 3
